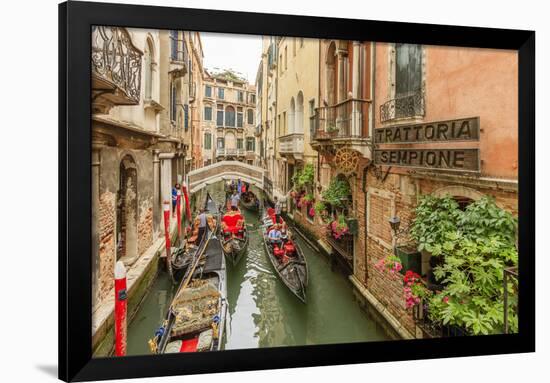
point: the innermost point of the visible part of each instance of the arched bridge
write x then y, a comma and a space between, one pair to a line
225, 170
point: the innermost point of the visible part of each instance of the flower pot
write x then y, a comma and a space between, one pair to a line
410, 258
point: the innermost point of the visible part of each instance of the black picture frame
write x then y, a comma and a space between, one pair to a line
75, 351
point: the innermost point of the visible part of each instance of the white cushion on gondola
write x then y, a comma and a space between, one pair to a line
205, 340
173, 347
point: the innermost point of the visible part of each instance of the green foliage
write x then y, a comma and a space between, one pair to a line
341, 222
319, 207
337, 193
303, 178
309, 197
478, 244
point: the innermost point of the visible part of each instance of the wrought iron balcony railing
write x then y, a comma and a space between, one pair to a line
291, 143
116, 63
408, 106
343, 120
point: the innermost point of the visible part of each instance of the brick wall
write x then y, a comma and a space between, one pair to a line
107, 219
145, 230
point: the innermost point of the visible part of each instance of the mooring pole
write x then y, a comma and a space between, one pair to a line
121, 307
178, 213
166, 207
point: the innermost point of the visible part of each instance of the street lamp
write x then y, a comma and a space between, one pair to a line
395, 223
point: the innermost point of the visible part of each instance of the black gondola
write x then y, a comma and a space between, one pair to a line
234, 235
195, 321
182, 256
250, 201
287, 259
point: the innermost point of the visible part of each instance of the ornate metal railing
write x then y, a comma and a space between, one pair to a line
116, 60
411, 105
344, 247
431, 329
343, 120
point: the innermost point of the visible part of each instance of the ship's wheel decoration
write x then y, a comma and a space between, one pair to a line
346, 160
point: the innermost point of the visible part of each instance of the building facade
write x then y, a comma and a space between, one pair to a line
139, 120
228, 119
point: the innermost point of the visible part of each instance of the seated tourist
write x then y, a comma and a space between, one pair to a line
274, 235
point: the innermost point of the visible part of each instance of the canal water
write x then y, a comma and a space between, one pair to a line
262, 312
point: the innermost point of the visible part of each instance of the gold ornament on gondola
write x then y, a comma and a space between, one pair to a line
346, 160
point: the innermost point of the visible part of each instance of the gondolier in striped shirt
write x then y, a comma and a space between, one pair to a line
202, 225
235, 198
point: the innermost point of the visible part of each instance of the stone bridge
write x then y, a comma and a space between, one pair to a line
225, 170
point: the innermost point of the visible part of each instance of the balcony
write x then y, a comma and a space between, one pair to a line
345, 123
408, 106
292, 145
116, 69
229, 152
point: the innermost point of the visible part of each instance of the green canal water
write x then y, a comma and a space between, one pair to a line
262, 312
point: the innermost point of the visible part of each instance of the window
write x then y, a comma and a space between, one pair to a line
186, 116
240, 120
286, 58
230, 116
408, 69
311, 117
207, 141
221, 93
219, 115
240, 96
250, 144
281, 62
149, 62
207, 91
208, 113
239, 143
174, 45
220, 143
250, 116
173, 103
252, 98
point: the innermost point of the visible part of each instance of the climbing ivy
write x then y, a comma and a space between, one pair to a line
477, 244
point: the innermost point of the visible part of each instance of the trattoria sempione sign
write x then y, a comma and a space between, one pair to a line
444, 159
440, 158
466, 129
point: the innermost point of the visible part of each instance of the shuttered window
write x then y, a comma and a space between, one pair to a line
186, 116
207, 141
208, 113
408, 70
250, 116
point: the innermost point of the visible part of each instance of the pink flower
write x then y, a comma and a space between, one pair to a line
446, 299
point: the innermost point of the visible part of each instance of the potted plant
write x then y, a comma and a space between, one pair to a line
414, 289
390, 264
339, 227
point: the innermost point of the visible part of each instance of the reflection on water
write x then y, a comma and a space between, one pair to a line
262, 312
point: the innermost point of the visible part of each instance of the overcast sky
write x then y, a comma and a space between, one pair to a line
241, 53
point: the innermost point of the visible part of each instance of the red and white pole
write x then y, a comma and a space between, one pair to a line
178, 212
121, 308
166, 207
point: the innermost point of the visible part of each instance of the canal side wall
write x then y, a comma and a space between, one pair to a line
140, 278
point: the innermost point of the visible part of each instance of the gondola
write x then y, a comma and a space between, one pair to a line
288, 260
234, 235
195, 321
182, 256
249, 201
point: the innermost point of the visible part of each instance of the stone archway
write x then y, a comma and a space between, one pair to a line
127, 212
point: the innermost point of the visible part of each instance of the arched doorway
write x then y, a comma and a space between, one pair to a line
127, 212
331, 75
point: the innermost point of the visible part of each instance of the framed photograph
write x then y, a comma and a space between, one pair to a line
243, 191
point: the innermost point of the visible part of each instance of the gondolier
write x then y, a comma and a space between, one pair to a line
235, 201
202, 224
277, 210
